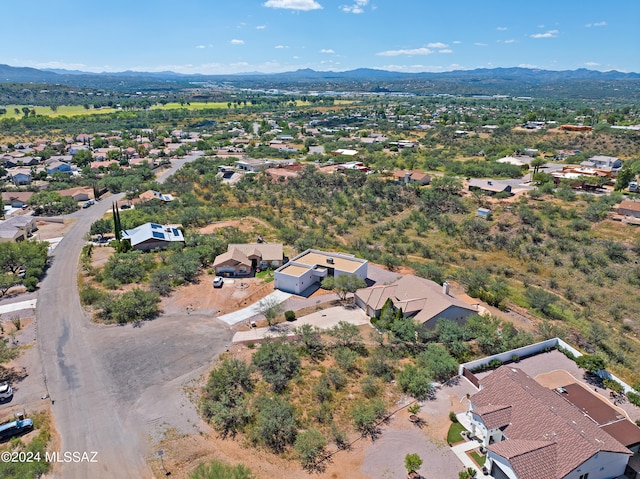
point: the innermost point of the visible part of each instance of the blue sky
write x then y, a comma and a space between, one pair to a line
220, 36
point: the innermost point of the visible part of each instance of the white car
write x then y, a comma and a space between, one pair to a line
218, 282
5, 391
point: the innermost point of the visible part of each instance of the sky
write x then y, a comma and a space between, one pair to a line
269, 36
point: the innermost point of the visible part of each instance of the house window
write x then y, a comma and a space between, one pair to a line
584, 476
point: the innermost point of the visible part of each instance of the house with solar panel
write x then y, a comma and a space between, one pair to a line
153, 236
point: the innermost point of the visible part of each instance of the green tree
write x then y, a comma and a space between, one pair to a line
278, 363
625, 176
310, 338
271, 308
275, 425
347, 283
591, 363
366, 414
346, 335
310, 446
219, 470
412, 462
51, 203
225, 401
436, 358
8, 281
416, 381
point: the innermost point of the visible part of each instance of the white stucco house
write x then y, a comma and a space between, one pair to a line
309, 268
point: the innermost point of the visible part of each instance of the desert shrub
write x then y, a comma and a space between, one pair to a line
289, 315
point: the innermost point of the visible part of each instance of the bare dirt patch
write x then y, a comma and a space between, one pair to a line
50, 229
246, 225
201, 297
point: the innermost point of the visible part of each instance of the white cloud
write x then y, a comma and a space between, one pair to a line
437, 45
235, 41
597, 24
261, 27
304, 5
357, 7
327, 50
456, 42
279, 47
200, 46
502, 29
411, 51
592, 64
511, 40
445, 50
478, 44
547, 34
527, 65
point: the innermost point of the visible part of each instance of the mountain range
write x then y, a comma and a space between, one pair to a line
516, 81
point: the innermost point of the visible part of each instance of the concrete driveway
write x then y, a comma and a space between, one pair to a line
325, 319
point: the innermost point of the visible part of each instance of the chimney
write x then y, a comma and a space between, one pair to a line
407, 177
445, 288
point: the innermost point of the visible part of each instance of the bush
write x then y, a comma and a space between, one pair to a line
613, 385
89, 295
310, 446
634, 399
415, 381
219, 470
132, 306
452, 416
31, 283
277, 362
290, 315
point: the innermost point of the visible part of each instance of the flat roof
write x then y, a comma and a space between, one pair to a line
342, 263
591, 404
293, 270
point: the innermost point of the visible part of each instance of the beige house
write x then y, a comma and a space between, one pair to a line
17, 228
421, 299
246, 259
629, 208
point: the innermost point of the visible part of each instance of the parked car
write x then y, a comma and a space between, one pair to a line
15, 428
218, 282
88, 203
5, 391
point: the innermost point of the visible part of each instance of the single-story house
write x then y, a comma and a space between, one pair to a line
151, 195
531, 432
58, 167
78, 193
21, 176
344, 152
17, 228
153, 236
309, 268
415, 176
253, 165
421, 299
629, 208
491, 187
16, 199
603, 163
245, 259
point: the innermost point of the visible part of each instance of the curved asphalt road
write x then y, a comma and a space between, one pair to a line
84, 396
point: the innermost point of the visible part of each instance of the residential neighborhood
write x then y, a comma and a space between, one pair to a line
337, 284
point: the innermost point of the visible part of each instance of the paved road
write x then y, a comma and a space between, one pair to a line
84, 389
